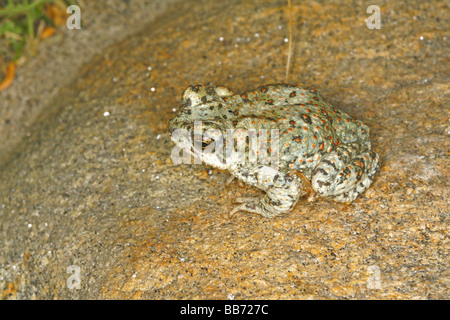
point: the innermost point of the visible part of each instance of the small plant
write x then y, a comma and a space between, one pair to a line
26, 20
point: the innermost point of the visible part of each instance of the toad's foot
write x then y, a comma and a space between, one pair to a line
248, 204
230, 181
282, 193
256, 205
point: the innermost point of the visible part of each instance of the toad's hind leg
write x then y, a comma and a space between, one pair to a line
345, 173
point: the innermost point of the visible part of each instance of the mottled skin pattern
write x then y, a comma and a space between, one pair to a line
320, 146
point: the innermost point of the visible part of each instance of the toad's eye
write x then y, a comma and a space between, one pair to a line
206, 142
203, 140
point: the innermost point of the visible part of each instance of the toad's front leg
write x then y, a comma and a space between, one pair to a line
282, 191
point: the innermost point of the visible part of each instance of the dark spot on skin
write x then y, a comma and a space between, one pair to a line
292, 94
321, 147
330, 164
204, 99
306, 118
270, 119
346, 171
289, 179
188, 101
322, 171
274, 203
321, 183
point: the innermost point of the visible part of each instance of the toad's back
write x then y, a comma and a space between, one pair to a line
308, 126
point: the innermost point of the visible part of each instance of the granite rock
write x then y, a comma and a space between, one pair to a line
93, 186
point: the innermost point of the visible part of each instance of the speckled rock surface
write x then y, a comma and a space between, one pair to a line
94, 186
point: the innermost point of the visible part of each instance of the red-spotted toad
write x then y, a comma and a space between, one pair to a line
316, 143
